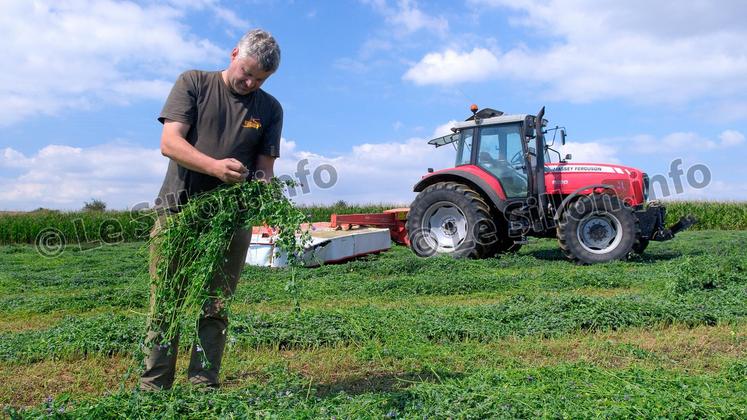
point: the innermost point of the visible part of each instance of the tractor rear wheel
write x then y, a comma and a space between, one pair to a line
451, 218
596, 229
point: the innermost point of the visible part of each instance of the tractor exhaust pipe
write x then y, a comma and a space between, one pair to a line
540, 171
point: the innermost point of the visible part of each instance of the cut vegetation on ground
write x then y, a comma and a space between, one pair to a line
394, 335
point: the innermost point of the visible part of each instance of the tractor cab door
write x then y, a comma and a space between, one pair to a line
500, 152
464, 150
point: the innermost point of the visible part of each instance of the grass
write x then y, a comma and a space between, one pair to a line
356, 369
521, 316
563, 390
392, 335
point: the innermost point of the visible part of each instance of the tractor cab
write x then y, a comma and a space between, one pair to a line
502, 146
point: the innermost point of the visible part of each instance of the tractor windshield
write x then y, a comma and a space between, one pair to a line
548, 147
549, 156
551, 146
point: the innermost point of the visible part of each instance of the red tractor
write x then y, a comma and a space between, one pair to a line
505, 187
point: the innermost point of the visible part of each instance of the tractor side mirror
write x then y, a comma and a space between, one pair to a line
562, 137
568, 157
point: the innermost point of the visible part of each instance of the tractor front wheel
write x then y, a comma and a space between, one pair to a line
451, 218
597, 229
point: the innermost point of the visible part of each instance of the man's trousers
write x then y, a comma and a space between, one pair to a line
160, 360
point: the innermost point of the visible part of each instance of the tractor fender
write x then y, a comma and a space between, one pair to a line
493, 193
576, 194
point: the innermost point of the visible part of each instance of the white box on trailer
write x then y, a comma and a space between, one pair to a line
327, 246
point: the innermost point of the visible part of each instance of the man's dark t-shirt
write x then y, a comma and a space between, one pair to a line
222, 125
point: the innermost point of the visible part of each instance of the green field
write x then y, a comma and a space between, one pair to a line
110, 227
122, 226
394, 335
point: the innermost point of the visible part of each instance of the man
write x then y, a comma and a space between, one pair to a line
218, 127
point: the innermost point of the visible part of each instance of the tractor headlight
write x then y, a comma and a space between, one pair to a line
645, 186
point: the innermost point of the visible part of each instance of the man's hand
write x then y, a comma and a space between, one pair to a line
230, 170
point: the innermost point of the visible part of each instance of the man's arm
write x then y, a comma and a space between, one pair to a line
265, 167
174, 145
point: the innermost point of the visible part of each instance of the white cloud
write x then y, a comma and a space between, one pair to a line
727, 110
731, 138
716, 190
78, 54
452, 67
220, 11
14, 159
443, 129
406, 17
368, 173
654, 52
664, 187
409, 18
145, 89
685, 141
405, 26
64, 177
386, 172
590, 152
231, 18
122, 174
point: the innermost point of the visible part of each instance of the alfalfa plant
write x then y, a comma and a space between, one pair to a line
190, 248
707, 272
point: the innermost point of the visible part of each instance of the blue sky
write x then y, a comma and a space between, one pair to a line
365, 84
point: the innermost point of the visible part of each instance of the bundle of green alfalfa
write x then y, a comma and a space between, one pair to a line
190, 247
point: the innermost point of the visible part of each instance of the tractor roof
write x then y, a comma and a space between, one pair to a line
460, 125
487, 121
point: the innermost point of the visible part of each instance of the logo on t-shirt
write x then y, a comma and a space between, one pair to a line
252, 123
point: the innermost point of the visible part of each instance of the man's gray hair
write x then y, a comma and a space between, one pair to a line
262, 46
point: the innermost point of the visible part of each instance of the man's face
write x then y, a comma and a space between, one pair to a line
245, 75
